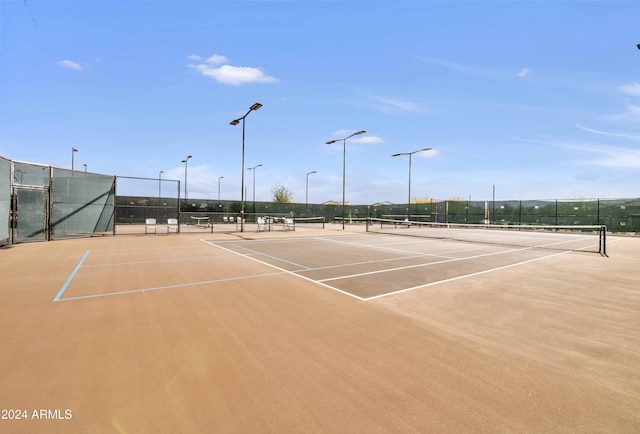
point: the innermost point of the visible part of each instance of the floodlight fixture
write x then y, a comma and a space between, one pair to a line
344, 158
254, 184
185, 177
410, 154
254, 107
306, 200
73, 151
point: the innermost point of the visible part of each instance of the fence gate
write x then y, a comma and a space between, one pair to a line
30, 214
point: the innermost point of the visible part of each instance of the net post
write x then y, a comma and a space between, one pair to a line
367, 224
603, 240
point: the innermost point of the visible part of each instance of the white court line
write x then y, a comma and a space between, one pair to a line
322, 281
448, 260
491, 270
424, 265
255, 252
303, 268
157, 288
284, 271
408, 252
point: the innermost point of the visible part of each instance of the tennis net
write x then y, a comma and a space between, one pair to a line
309, 222
586, 238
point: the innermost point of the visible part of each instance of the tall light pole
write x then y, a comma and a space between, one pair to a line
219, 188
344, 159
254, 184
85, 167
160, 184
410, 154
73, 152
254, 107
306, 196
185, 178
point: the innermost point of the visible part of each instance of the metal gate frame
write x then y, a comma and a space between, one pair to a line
15, 215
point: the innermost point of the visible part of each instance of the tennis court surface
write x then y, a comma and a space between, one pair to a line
321, 330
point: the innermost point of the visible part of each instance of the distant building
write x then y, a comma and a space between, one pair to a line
334, 202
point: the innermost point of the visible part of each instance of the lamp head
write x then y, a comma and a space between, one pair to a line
395, 155
359, 132
331, 142
256, 106
234, 122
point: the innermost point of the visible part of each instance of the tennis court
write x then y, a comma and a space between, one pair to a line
321, 330
360, 265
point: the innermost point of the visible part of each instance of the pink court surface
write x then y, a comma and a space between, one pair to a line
317, 330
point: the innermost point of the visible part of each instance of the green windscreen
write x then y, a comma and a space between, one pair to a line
82, 203
5, 200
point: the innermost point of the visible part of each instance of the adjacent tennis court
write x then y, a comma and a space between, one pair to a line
322, 330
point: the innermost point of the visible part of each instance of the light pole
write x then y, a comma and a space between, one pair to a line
344, 158
219, 188
160, 184
410, 154
85, 167
185, 178
73, 151
254, 184
306, 196
254, 107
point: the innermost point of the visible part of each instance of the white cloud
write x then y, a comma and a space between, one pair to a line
631, 89
367, 139
235, 75
422, 154
216, 60
341, 134
228, 74
523, 73
194, 57
70, 65
607, 133
428, 154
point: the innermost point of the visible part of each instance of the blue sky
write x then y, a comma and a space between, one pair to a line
539, 98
